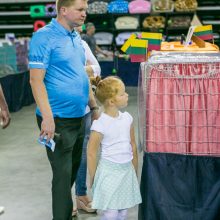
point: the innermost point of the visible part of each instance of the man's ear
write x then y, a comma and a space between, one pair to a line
63, 10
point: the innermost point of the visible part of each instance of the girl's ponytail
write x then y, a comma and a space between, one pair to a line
95, 80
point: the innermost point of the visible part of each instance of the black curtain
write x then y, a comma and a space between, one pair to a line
17, 90
180, 187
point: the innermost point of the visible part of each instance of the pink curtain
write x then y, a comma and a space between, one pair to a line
183, 109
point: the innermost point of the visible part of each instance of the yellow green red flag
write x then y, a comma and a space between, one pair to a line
204, 32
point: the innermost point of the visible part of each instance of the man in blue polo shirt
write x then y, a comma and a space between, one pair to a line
61, 89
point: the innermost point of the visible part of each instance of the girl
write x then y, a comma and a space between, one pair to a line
114, 181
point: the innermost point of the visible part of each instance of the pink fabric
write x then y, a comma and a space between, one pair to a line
139, 6
183, 109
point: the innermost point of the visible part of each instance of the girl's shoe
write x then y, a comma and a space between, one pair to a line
85, 206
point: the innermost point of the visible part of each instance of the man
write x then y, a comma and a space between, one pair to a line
4, 121
90, 39
61, 89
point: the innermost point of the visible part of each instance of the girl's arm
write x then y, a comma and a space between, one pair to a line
93, 147
134, 149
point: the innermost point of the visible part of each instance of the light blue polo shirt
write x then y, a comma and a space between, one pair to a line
60, 53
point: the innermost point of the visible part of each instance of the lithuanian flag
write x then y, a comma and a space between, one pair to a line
154, 40
138, 50
127, 44
204, 32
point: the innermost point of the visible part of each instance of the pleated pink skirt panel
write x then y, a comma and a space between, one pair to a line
183, 109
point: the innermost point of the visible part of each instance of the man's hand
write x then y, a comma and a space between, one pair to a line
47, 128
107, 53
4, 118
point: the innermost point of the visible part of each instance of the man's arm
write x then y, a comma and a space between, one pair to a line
4, 113
99, 50
41, 98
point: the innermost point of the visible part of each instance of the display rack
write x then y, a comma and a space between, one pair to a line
179, 126
25, 1
17, 12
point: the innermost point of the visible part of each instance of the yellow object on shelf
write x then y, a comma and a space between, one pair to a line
177, 46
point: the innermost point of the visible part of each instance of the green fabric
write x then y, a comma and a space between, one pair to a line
37, 11
83, 27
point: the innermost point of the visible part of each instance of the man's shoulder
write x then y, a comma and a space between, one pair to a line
43, 35
44, 31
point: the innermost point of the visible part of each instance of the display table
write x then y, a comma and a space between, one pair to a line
126, 70
179, 104
17, 90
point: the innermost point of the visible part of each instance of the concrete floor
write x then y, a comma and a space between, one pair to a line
25, 173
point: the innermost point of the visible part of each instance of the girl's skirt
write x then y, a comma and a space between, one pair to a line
115, 186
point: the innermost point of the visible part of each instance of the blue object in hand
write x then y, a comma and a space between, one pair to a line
51, 144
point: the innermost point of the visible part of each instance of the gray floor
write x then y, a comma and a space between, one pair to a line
25, 174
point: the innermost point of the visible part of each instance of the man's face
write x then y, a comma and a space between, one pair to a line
92, 30
75, 15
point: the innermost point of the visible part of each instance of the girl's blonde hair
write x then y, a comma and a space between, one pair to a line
107, 88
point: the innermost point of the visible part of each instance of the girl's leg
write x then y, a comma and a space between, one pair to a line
110, 214
122, 214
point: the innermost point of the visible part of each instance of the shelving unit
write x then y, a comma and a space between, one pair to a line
15, 17
25, 1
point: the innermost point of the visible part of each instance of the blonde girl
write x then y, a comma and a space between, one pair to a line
113, 177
